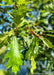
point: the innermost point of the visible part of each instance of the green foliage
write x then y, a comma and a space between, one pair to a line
20, 2
8, 1
29, 35
33, 49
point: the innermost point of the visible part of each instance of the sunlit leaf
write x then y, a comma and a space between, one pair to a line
33, 64
3, 50
10, 2
14, 55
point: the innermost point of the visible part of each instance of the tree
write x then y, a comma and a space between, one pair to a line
28, 36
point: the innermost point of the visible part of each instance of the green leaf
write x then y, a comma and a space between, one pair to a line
33, 64
33, 49
44, 21
3, 49
4, 38
48, 31
14, 55
47, 1
10, 2
44, 13
49, 35
20, 2
30, 52
27, 40
46, 42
